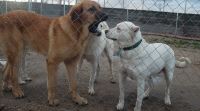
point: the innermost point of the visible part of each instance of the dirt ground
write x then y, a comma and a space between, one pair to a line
185, 91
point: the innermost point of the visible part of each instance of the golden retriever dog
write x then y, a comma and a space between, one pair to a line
61, 39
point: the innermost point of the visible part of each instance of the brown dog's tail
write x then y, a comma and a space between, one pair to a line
183, 62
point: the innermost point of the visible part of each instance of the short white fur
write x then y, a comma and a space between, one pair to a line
146, 63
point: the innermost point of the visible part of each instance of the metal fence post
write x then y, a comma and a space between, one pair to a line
68, 2
6, 6
41, 6
177, 17
185, 10
123, 4
164, 2
29, 5
64, 7
77, 1
142, 4
127, 14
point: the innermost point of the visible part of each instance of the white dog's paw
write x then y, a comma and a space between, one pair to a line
137, 109
120, 106
28, 79
21, 82
146, 94
167, 101
91, 91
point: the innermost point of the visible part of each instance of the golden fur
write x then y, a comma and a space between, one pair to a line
59, 39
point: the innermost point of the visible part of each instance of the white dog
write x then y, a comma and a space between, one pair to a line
143, 61
96, 46
24, 76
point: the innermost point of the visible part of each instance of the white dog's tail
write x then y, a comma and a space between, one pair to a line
183, 62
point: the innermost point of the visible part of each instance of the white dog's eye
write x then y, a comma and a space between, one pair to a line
118, 29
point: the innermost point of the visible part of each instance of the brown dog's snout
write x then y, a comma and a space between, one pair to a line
106, 31
101, 16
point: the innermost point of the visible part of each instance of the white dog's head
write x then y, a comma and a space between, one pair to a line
103, 26
125, 33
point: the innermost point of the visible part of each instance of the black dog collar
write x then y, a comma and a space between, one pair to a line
112, 39
133, 46
118, 53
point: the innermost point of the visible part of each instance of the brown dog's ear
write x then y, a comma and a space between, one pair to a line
76, 12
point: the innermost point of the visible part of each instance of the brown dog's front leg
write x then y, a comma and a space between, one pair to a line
10, 79
6, 85
51, 83
72, 71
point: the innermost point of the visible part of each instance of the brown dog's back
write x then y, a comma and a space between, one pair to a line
19, 26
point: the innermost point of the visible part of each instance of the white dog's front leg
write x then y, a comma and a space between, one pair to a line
109, 54
122, 80
149, 85
92, 77
140, 93
21, 81
21, 69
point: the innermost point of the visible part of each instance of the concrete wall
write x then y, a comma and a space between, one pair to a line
149, 21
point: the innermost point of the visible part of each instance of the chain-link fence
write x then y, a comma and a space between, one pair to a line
173, 22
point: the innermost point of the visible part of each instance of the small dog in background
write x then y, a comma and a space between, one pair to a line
2, 64
97, 45
23, 76
143, 61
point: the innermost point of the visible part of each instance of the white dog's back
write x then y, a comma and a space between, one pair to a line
159, 55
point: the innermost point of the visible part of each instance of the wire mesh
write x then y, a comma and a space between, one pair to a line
173, 22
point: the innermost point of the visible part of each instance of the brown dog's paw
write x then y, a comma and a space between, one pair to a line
80, 100
17, 92
53, 102
6, 87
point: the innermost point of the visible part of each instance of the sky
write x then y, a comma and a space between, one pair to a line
176, 6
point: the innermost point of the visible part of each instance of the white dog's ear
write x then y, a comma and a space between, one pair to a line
135, 28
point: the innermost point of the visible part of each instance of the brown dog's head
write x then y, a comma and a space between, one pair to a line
88, 12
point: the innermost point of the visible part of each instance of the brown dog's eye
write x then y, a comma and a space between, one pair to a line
92, 9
